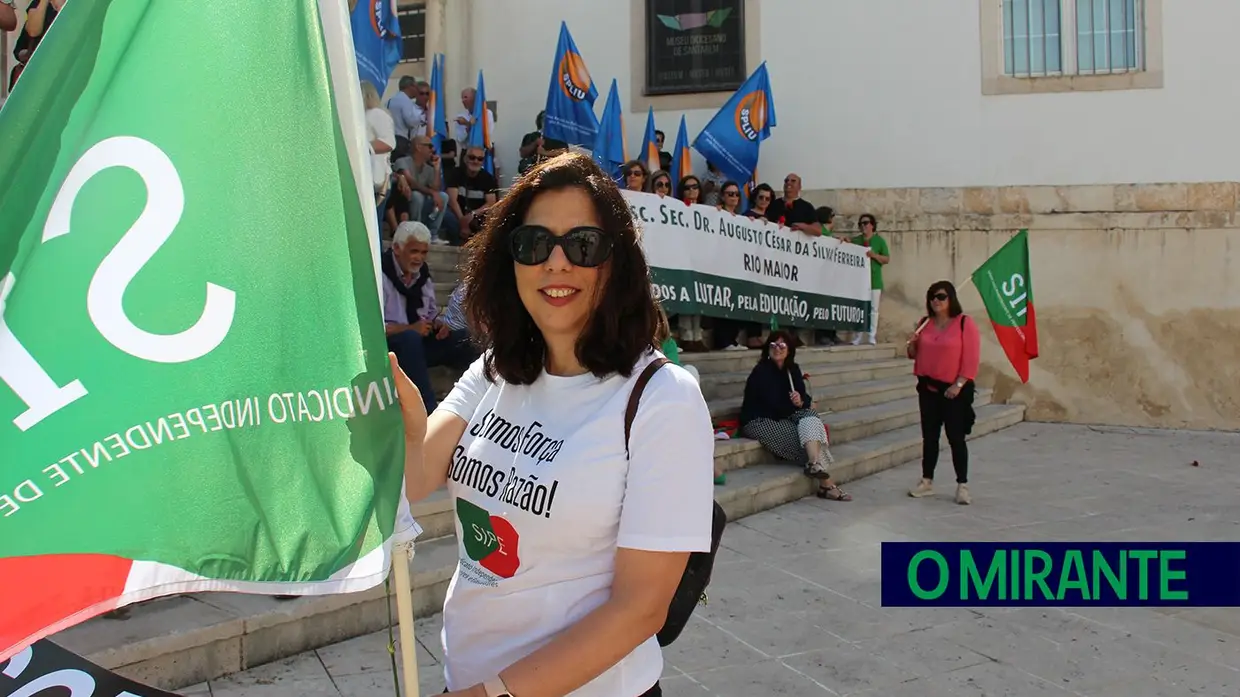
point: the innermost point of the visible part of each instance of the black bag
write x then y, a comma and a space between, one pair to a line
692, 588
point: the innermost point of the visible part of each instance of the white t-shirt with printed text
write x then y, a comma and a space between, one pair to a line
543, 496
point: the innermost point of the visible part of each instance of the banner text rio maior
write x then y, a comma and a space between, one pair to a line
713, 263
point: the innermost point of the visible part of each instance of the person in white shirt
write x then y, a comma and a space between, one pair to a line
408, 109
464, 120
570, 550
381, 134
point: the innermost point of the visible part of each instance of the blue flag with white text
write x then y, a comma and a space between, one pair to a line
570, 99
733, 137
376, 41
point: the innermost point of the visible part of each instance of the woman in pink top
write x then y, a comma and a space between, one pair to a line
946, 351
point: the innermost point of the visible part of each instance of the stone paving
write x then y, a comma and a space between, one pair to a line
794, 605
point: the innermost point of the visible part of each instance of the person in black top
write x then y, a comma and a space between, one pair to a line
665, 157
794, 211
760, 202
535, 147
471, 191
778, 412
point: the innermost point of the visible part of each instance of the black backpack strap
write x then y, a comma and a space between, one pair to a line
630, 411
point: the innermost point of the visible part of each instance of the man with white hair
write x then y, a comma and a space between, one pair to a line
415, 332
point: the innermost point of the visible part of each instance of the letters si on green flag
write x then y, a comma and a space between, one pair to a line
1006, 287
194, 386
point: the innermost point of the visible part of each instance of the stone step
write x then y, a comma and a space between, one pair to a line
761, 487
443, 292
183, 640
841, 397
435, 513
721, 386
827, 373
174, 642
845, 427
807, 357
444, 258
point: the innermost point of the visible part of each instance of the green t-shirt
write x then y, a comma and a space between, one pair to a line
671, 350
879, 246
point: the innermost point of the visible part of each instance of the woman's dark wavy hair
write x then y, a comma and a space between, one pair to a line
645, 173
953, 303
625, 322
684, 181
759, 189
791, 361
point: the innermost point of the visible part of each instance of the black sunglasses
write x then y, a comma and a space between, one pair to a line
939, 296
867, 221
584, 246
731, 192
662, 184
690, 187
474, 158
636, 173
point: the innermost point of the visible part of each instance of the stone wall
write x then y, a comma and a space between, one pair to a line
1137, 289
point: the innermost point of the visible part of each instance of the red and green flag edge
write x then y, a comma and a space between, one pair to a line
1009, 301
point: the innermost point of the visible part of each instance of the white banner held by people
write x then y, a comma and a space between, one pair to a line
716, 264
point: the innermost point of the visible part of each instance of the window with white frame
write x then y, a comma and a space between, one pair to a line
1073, 37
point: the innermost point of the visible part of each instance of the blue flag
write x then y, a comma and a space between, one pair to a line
649, 154
609, 148
436, 111
570, 99
435, 107
732, 138
682, 160
480, 130
376, 41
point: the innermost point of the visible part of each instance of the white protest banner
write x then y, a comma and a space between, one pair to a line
707, 262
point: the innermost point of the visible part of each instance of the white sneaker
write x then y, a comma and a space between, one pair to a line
736, 347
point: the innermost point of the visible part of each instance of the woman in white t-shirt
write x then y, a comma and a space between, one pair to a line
570, 551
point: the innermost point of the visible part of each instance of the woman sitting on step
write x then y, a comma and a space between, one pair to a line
779, 413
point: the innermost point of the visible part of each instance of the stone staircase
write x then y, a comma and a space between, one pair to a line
873, 417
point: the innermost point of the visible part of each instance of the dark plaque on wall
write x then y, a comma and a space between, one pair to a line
694, 46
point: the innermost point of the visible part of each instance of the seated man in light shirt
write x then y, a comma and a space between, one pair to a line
458, 326
415, 332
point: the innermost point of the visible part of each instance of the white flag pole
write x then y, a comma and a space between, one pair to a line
402, 555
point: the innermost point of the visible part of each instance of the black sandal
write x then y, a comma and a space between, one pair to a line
834, 493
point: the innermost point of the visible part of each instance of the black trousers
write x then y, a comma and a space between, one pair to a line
954, 416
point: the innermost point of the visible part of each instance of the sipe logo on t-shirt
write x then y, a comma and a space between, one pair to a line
491, 540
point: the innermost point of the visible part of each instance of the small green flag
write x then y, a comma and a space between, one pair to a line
194, 385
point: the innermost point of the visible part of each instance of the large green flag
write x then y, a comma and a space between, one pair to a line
1006, 285
194, 386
